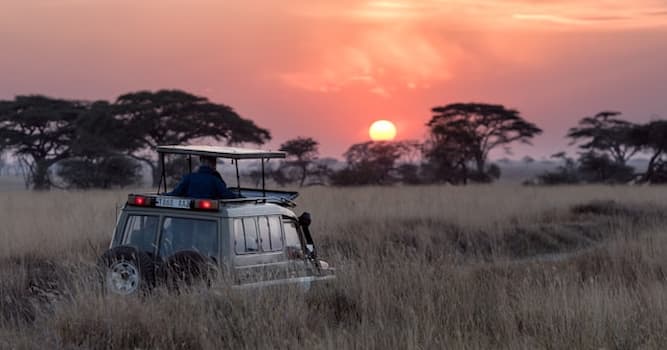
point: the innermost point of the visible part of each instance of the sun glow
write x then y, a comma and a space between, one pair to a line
382, 130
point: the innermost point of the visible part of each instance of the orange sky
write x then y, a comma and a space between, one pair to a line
327, 69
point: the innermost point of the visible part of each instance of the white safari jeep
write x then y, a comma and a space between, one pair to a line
252, 241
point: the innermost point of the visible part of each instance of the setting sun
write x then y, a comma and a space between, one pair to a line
382, 130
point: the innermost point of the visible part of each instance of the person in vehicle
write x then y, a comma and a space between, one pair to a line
206, 183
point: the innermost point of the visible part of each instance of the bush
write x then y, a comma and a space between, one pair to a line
102, 172
599, 168
591, 167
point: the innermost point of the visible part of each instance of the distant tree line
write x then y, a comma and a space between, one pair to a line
606, 143
102, 144
460, 138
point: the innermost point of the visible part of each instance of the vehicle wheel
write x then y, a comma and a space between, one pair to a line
187, 268
125, 270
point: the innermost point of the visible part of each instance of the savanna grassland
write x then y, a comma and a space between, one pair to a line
478, 267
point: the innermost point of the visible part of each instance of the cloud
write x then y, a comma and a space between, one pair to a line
594, 15
540, 17
604, 18
379, 58
380, 91
384, 46
657, 13
387, 45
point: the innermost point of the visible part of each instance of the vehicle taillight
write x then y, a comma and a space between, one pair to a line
206, 204
139, 200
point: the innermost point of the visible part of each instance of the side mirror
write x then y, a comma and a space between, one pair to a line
304, 219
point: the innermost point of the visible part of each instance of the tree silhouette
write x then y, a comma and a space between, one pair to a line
371, 163
301, 152
653, 138
447, 157
566, 173
323, 169
98, 151
591, 167
607, 134
176, 117
39, 130
601, 168
463, 132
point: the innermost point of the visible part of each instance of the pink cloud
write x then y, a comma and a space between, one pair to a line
395, 44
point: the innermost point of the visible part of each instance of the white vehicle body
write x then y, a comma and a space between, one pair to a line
255, 240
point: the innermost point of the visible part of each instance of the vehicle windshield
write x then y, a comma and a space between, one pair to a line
198, 235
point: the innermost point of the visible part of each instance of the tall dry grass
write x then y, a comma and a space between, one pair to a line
418, 267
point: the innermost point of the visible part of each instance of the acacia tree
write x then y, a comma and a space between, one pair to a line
653, 138
301, 152
606, 133
39, 131
371, 163
176, 117
447, 155
99, 151
469, 131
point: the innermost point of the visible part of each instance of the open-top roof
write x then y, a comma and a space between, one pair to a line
221, 152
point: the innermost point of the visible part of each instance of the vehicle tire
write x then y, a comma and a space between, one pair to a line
186, 269
125, 270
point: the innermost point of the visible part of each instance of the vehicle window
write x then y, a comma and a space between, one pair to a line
276, 233
189, 234
264, 236
239, 237
257, 234
251, 239
291, 235
140, 231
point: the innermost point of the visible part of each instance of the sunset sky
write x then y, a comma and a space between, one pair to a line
328, 69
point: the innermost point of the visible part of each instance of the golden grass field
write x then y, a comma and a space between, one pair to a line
478, 267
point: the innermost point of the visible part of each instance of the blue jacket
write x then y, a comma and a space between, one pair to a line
204, 183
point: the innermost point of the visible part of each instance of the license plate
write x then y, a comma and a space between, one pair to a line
172, 203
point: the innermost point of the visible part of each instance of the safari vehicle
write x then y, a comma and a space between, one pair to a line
254, 241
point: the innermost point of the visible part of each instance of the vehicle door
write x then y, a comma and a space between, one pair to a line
258, 249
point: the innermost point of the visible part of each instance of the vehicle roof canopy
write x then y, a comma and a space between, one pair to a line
233, 153
220, 152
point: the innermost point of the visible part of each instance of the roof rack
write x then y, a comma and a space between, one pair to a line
257, 200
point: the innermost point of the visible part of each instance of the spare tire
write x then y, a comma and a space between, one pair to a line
126, 270
187, 268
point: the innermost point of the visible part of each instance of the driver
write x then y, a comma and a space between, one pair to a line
206, 182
